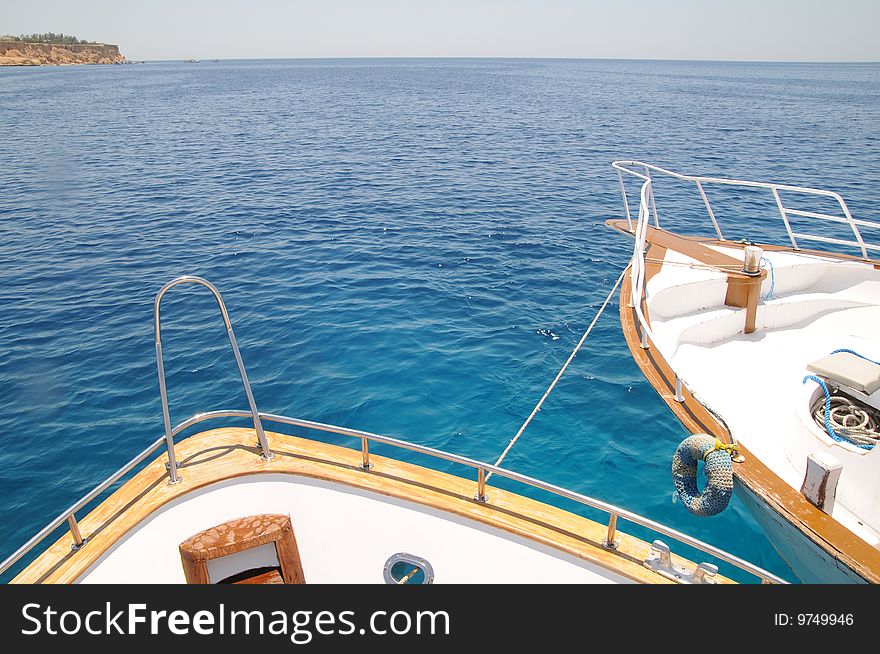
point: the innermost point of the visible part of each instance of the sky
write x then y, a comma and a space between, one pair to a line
750, 30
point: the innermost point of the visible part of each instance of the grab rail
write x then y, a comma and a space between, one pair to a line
637, 266
642, 171
160, 365
614, 512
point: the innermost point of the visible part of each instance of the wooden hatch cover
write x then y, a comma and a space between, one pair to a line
239, 535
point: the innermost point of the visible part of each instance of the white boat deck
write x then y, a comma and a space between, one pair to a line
345, 535
754, 381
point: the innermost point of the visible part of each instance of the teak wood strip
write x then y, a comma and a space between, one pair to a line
288, 556
227, 453
619, 225
261, 579
822, 529
696, 250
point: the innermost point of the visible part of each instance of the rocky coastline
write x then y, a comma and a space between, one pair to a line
23, 53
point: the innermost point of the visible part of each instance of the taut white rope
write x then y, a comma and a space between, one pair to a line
559, 374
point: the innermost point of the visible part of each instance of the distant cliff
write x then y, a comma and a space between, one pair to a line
22, 53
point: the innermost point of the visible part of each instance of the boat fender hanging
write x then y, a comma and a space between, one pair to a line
714, 498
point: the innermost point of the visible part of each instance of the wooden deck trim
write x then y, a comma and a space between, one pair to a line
620, 225
743, 290
696, 250
220, 454
838, 541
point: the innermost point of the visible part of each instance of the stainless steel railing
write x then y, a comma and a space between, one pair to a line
643, 171
483, 469
168, 439
160, 366
614, 512
637, 264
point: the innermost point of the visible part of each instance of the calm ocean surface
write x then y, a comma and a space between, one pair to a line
410, 247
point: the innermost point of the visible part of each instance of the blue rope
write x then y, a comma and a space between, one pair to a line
828, 427
772, 278
843, 349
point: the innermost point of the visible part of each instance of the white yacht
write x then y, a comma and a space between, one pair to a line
247, 505
773, 350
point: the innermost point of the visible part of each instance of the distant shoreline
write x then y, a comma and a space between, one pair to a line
120, 59
27, 53
781, 62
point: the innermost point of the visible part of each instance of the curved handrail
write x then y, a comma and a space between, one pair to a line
648, 209
482, 468
637, 268
630, 168
623, 165
160, 365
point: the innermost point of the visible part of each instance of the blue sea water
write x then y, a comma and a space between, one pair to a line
410, 247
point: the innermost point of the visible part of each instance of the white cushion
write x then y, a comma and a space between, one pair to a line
848, 370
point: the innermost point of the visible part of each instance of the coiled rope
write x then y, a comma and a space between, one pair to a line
845, 421
559, 374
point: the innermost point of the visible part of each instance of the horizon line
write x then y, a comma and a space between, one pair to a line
526, 58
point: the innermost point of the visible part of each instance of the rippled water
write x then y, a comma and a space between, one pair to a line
406, 246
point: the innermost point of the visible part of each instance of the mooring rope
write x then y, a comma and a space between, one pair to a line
559, 374
859, 425
696, 265
772, 277
844, 419
862, 433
